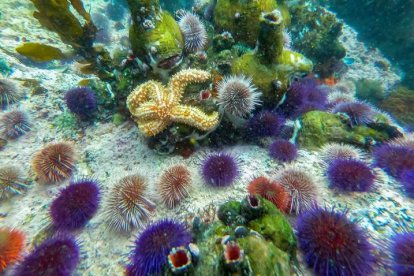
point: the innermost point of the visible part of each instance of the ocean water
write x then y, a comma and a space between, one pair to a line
206, 137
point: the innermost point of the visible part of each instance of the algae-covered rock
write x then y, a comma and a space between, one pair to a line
241, 18
320, 127
274, 226
271, 63
400, 105
230, 213
161, 42
39, 52
370, 90
264, 257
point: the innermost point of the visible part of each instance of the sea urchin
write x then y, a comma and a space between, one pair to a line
14, 124
75, 205
220, 169
402, 252
283, 150
11, 247
332, 244
174, 184
127, 205
54, 163
194, 32
153, 246
11, 181
270, 190
9, 93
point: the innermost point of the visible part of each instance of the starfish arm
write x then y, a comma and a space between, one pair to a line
179, 81
143, 93
146, 111
152, 127
194, 116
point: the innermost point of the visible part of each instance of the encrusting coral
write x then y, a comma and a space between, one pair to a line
154, 107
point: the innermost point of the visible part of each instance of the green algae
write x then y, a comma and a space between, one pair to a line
399, 104
241, 18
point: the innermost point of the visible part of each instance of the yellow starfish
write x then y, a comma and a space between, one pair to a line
154, 107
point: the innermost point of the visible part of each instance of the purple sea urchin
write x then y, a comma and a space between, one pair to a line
283, 150
14, 124
220, 169
350, 175
11, 182
301, 188
154, 244
174, 185
359, 113
237, 96
55, 256
75, 205
394, 159
127, 205
303, 96
265, 123
334, 245
407, 180
9, 94
81, 101
402, 252
194, 32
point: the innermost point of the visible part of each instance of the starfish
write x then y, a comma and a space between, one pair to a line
155, 106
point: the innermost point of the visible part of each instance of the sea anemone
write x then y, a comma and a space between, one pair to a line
350, 175
359, 113
287, 40
270, 190
220, 169
55, 256
54, 163
394, 159
265, 123
75, 205
283, 150
233, 255
402, 253
11, 247
303, 96
194, 32
407, 180
14, 124
154, 244
11, 182
9, 94
237, 96
81, 101
301, 188
174, 185
334, 245
332, 151
127, 205
179, 260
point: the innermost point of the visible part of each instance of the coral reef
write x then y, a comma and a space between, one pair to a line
54, 163
320, 42
332, 244
55, 256
350, 175
174, 185
9, 93
75, 205
154, 244
11, 247
11, 181
14, 124
154, 107
220, 169
301, 188
283, 150
271, 63
127, 204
